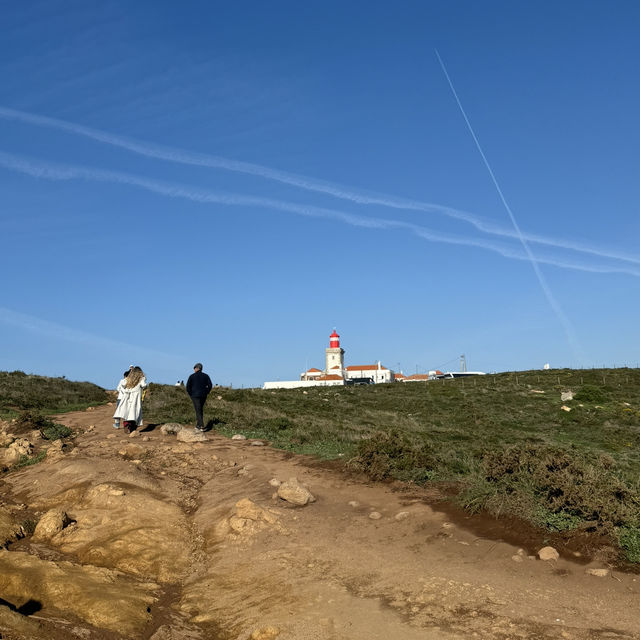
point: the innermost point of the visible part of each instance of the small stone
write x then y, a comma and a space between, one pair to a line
111, 436
146, 439
354, 503
238, 436
218, 397
132, 451
401, 515
375, 515
274, 482
548, 553
516, 558
293, 492
599, 573
257, 443
448, 525
565, 408
134, 434
91, 427
116, 492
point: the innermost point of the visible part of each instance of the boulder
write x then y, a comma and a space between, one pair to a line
375, 515
52, 522
187, 435
293, 492
548, 553
565, 408
401, 515
565, 396
171, 428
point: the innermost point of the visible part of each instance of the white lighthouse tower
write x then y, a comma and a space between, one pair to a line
335, 356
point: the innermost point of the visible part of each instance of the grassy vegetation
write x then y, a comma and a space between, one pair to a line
502, 440
19, 392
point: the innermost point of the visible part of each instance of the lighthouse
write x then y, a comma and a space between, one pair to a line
335, 355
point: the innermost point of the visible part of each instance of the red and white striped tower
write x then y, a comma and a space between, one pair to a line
335, 356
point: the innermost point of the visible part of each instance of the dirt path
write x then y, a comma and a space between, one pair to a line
159, 547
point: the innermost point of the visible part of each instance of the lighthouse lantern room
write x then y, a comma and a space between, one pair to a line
335, 355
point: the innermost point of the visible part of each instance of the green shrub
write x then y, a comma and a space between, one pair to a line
26, 461
629, 541
591, 393
393, 454
566, 485
49, 430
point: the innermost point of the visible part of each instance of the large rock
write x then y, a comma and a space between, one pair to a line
565, 396
171, 428
101, 597
293, 492
188, 435
51, 523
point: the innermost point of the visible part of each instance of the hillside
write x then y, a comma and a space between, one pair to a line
19, 392
158, 536
506, 443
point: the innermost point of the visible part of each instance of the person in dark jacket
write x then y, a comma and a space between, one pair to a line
198, 387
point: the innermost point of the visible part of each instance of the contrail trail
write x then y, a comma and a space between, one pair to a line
553, 303
61, 332
52, 171
303, 182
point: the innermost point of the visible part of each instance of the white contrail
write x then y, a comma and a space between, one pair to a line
51, 171
304, 182
61, 332
553, 303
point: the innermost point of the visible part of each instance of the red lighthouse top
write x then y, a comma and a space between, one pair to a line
334, 340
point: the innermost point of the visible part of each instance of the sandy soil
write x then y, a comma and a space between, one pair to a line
164, 544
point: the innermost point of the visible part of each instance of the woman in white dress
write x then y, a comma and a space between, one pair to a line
120, 391
130, 407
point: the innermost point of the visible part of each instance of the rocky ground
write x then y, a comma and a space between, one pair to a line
150, 536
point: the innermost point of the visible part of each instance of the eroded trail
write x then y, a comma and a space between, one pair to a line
172, 540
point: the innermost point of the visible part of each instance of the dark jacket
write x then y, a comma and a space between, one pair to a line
199, 385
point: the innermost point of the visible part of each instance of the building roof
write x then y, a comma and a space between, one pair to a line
331, 376
418, 376
364, 367
399, 375
313, 370
336, 367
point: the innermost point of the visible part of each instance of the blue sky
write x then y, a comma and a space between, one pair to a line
226, 182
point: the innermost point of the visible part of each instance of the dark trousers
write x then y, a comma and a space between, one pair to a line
198, 405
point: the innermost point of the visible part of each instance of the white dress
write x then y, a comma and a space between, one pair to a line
130, 407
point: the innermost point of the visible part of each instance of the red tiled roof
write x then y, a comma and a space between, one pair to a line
418, 376
313, 369
330, 377
336, 367
365, 367
399, 375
